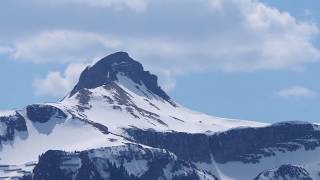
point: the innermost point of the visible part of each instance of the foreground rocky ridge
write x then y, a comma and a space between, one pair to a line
247, 145
129, 162
117, 123
285, 172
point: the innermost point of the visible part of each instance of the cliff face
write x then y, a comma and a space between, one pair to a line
247, 145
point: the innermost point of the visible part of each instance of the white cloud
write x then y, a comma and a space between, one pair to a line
62, 46
65, 46
296, 92
58, 84
265, 38
136, 5
255, 37
166, 80
5, 50
235, 36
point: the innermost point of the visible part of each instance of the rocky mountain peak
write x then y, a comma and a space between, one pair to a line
106, 70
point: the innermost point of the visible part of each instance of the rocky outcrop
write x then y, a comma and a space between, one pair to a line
11, 125
285, 172
131, 162
247, 145
43, 113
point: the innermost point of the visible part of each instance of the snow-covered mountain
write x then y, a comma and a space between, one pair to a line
117, 123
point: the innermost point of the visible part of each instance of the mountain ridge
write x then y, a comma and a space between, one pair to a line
118, 112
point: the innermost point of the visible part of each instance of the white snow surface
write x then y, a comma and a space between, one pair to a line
130, 105
179, 119
137, 166
148, 111
10, 172
70, 135
6, 113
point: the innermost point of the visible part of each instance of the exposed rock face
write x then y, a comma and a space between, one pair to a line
250, 144
247, 145
43, 113
190, 147
285, 172
131, 162
10, 125
106, 70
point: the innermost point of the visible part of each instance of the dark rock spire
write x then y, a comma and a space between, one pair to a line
105, 71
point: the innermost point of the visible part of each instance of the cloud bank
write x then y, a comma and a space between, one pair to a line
136, 5
255, 37
238, 36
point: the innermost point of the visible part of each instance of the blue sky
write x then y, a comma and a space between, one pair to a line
247, 59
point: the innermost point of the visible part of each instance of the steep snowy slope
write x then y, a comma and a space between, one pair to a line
113, 95
118, 93
122, 124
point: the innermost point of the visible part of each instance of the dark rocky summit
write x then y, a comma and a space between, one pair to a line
106, 70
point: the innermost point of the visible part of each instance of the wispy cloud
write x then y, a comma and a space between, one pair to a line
58, 84
136, 5
5, 50
258, 37
254, 37
296, 92
62, 46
